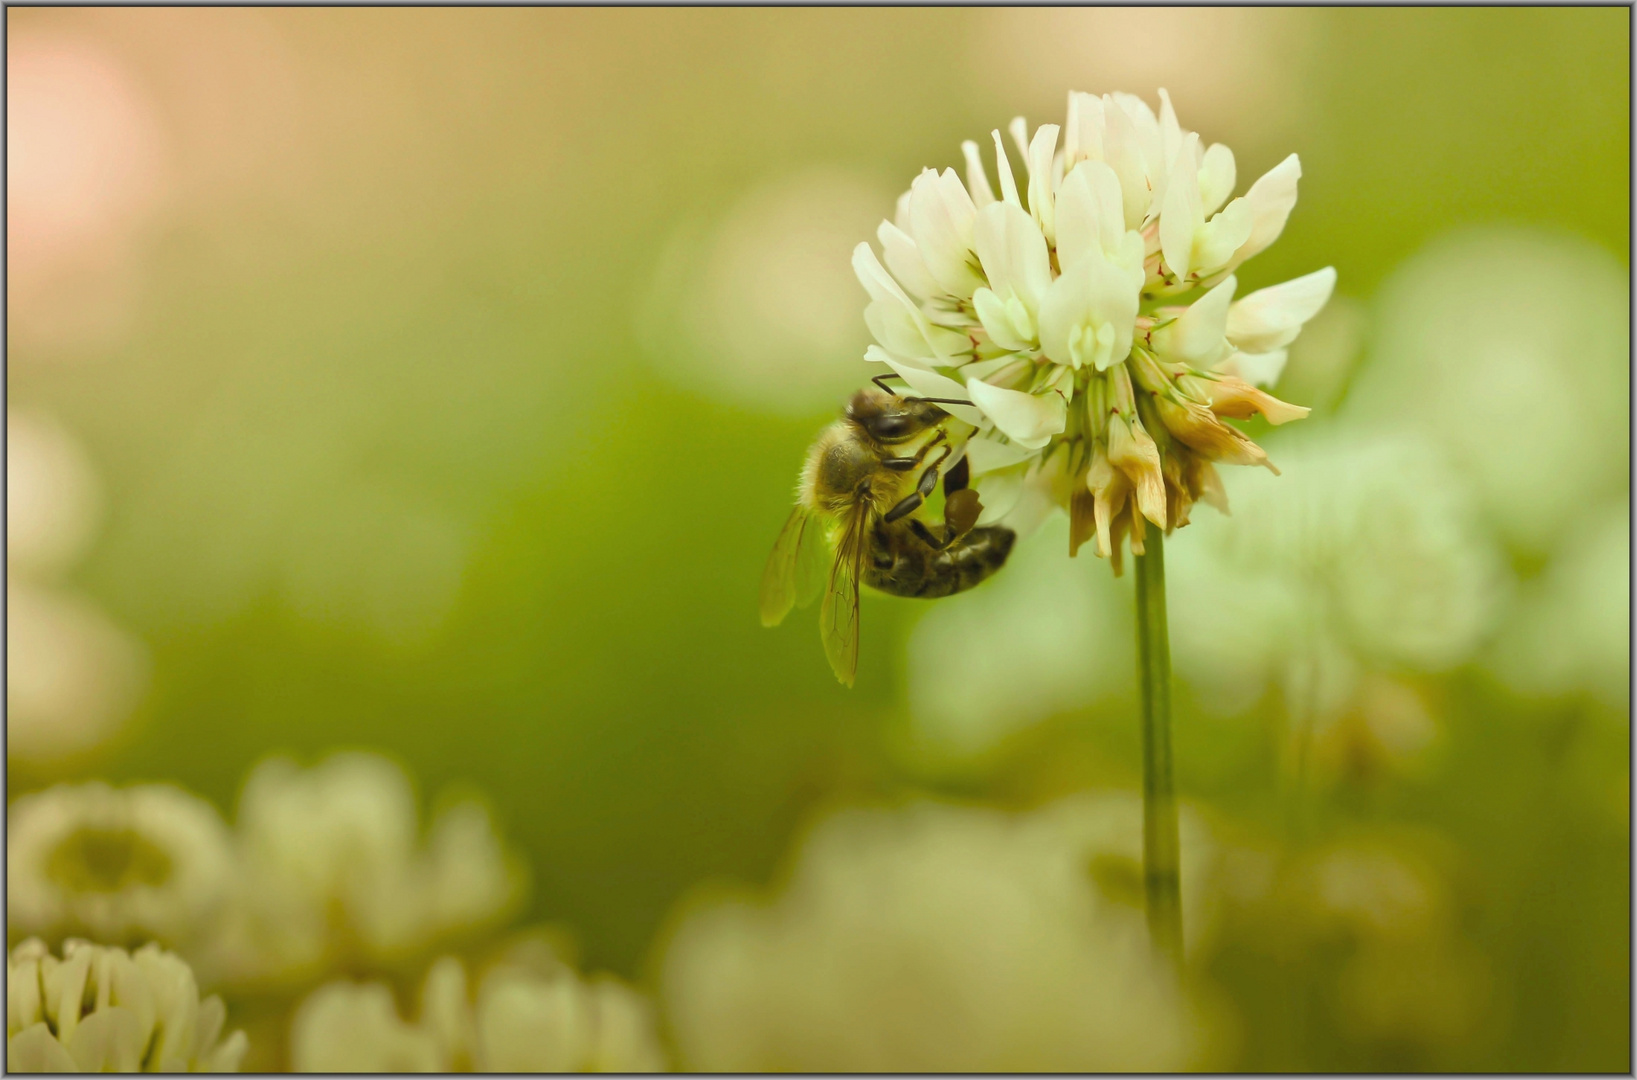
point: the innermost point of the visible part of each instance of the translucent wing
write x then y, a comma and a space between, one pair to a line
812, 564
781, 579
838, 620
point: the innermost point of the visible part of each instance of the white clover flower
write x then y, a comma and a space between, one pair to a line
1367, 556
346, 1027
1368, 889
1090, 315
940, 939
1386, 725
71, 674
1510, 349
331, 869
52, 496
532, 1013
100, 1009
119, 864
1571, 630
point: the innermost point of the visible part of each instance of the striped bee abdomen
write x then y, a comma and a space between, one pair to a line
902, 564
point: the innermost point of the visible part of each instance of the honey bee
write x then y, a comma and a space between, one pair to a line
865, 484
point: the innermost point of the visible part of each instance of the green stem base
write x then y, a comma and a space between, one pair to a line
1162, 858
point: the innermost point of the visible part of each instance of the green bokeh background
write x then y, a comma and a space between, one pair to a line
421, 294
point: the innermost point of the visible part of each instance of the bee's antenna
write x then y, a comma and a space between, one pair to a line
880, 380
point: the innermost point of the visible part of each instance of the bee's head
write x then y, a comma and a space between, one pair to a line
888, 418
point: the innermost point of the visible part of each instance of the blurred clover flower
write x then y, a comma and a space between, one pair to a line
1090, 318
1366, 557
940, 938
331, 872
1377, 910
1509, 349
52, 496
1571, 631
71, 674
532, 1013
116, 864
101, 1009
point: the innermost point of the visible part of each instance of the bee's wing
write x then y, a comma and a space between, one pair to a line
781, 579
838, 621
812, 564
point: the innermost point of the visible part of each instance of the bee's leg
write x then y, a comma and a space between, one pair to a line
907, 505
919, 529
905, 464
923, 487
960, 515
929, 479
958, 477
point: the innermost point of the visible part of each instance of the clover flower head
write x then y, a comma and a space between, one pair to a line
1089, 315
118, 864
332, 870
531, 1013
101, 1009
1369, 560
1573, 636
72, 675
1505, 329
939, 938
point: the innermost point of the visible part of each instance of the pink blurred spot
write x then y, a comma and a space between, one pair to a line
85, 154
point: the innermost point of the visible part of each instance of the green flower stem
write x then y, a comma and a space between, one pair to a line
1161, 849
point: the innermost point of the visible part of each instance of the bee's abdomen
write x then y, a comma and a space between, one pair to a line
909, 567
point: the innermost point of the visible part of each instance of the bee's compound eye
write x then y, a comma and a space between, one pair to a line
891, 427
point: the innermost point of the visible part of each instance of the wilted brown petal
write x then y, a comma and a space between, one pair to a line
1206, 485
1235, 398
1082, 519
1108, 487
1199, 428
1132, 451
